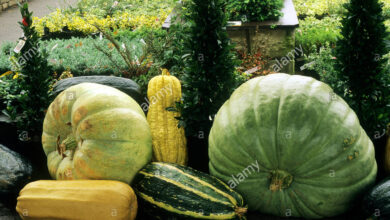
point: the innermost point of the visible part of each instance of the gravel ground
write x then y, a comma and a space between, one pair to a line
9, 27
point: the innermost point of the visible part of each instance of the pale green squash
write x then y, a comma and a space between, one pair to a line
93, 131
291, 147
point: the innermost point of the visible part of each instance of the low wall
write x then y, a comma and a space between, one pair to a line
274, 39
4, 4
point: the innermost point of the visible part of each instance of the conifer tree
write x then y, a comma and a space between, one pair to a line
360, 64
209, 76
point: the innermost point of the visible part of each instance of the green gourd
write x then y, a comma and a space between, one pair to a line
291, 147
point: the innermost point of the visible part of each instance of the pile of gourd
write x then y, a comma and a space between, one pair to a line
283, 144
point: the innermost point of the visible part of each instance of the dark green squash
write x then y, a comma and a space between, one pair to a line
127, 86
15, 171
171, 191
376, 203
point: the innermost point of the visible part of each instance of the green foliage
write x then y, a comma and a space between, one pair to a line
254, 10
317, 33
5, 51
81, 56
27, 92
114, 15
209, 76
323, 64
104, 8
360, 55
168, 49
319, 7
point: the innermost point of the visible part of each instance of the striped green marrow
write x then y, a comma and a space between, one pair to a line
171, 191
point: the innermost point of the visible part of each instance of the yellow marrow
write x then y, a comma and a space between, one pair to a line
77, 199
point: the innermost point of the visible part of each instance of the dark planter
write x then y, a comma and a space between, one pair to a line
33, 150
198, 157
28, 145
7, 212
8, 132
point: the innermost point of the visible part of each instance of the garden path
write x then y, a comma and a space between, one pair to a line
9, 27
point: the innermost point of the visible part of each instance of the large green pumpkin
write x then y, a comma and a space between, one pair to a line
93, 131
291, 147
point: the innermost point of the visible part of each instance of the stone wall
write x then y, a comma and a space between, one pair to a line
4, 4
274, 39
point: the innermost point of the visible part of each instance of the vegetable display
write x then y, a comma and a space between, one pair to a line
169, 142
15, 171
171, 191
77, 199
291, 147
92, 131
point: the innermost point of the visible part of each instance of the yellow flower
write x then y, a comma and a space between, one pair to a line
16, 75
6, 73
85, 22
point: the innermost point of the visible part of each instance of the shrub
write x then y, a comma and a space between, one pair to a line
360, 55
322, 8
129, 14
81, 57
323, 64
254, 10
314, 33
27, 93
168, 49
5, 51
319, 8
209, 77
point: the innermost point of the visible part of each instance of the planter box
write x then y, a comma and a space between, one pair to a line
274, 39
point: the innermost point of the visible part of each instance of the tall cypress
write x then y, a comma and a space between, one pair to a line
360, 64
209, 76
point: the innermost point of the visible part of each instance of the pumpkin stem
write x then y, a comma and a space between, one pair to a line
240, 211
68, 144
165, 72
280, 180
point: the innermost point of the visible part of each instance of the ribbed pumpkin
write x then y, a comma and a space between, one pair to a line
172, 191
169, 142
77, 199
291, 147
92, 131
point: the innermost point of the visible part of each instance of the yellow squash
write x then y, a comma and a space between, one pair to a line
77, 199
169, 142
